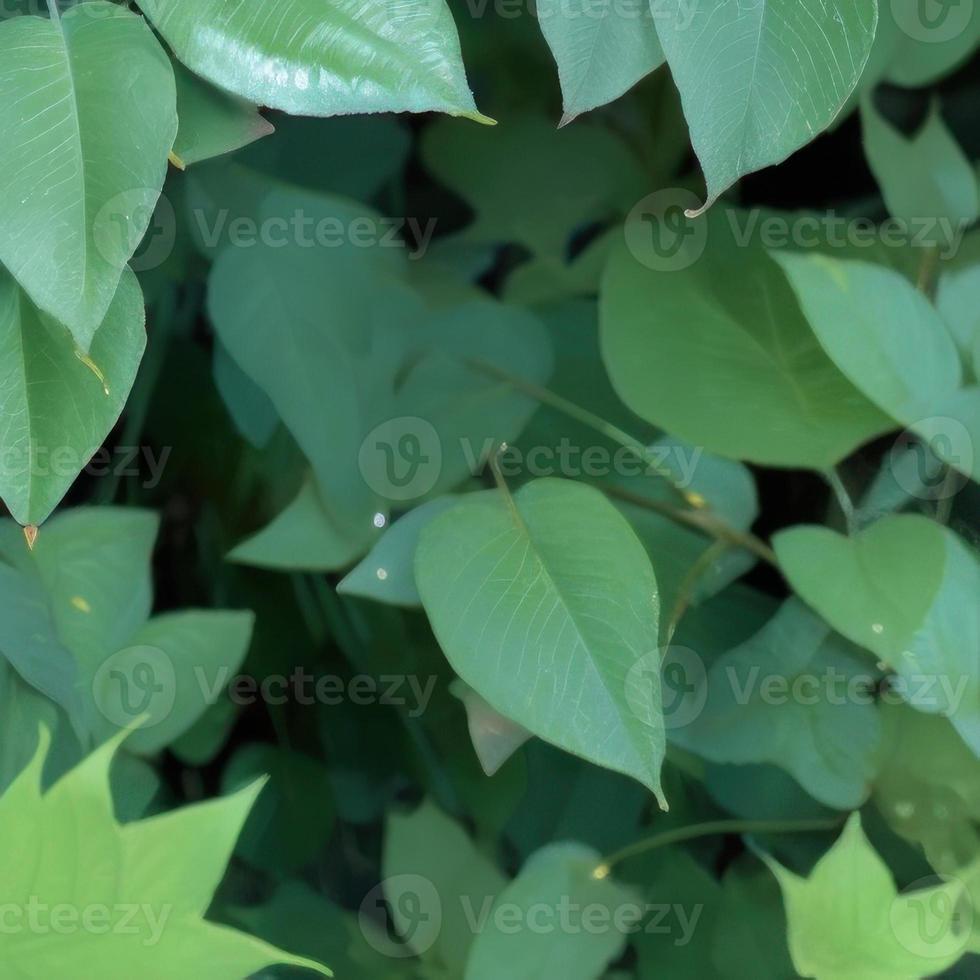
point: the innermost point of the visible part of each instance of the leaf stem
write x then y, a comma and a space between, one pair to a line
844, 501
928, 274
706, 522
710, 828
548, 397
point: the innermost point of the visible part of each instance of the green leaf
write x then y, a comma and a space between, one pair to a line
932, 39
87, 107
150, 882
297, 917
57, 408
889, 340
847, 921
543, 603
791, 696
293, 815
387, 572
554, 878
319, 59
212, 122
928, 786
759, 80
764, 391
925, 177
529, 185
201, 647
90, 575
305, 535
902, 589
601, 51
438, 885
351, 155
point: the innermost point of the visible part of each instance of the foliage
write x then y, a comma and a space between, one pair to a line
534, 535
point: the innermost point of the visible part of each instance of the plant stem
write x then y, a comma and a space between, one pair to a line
547, 397
704, 521
685, 594
843, 498
693, 831
928, 274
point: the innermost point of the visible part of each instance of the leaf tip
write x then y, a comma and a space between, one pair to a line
176, 160
31, 531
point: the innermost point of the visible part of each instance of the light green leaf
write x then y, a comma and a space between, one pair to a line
212, 122
760, 79
927, 177
555, 877
745, 378
602, 51
892, 343
905, 589
847, 921
387, 572
56, 408
792, 696
87, 107
322, 59
150, 882
543, 603
438, 885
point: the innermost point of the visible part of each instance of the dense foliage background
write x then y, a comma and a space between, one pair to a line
483, 562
